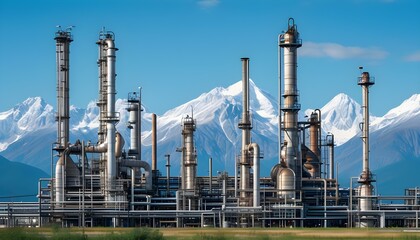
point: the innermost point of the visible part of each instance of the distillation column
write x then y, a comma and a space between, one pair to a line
365, 179
63, 39
189, 164
111, 118
245, 126
290, 42
65, 170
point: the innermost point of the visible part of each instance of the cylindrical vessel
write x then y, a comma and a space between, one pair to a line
111, 118
286, 183
134, 126
314, 160
245, 125
190, 161
255, 149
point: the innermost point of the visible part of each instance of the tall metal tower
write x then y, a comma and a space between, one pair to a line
365, 179
290, 42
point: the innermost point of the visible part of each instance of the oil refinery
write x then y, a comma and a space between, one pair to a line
103, 184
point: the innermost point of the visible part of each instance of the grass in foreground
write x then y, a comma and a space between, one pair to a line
199, 233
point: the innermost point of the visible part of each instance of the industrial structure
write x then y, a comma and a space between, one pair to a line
104, 185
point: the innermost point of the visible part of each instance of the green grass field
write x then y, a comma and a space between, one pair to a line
203, 233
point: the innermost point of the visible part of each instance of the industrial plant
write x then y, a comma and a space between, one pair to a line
100, 183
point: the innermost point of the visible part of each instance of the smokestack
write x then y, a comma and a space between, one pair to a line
154, 143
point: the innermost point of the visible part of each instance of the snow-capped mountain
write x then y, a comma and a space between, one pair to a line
217, 114
341, 116
24, 118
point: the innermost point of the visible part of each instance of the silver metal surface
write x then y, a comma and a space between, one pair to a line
245, 126
111, 116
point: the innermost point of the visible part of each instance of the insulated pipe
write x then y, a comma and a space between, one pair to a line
245, 125
101, 148
140, 164
255, 149
154, 143
111, 116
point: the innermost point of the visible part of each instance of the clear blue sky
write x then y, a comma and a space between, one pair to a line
176, 50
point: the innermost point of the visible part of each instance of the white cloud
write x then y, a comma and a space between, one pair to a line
337, 51
414, 57
208, 3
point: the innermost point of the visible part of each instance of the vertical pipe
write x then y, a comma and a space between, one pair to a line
256, 165
279, 137
330, 143
154, 143
210, 174
168, 173
133, 180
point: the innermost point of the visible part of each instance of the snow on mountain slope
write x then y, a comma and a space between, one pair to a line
217, 114
25, 117
406, 110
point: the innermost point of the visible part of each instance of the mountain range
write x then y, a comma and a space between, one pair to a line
28, 130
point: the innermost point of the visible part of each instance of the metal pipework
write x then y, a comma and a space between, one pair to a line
255, 149
245, 126
365, 178
140, 164
63, 40
290, 42
189, 156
